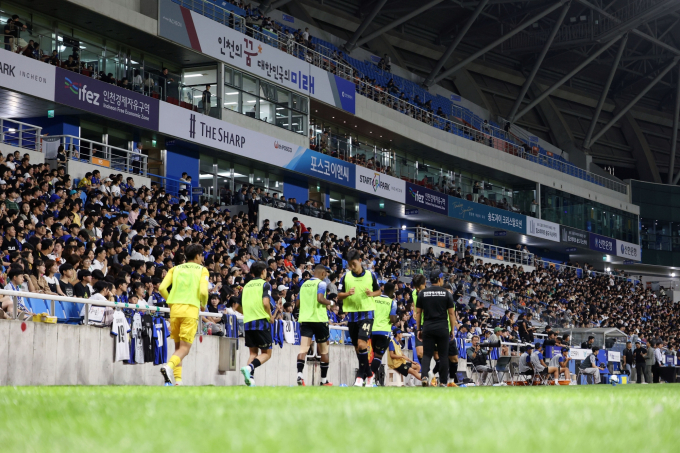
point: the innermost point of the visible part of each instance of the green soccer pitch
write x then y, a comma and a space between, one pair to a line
574, 419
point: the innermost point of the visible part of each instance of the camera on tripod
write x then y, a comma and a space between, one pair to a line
490, 344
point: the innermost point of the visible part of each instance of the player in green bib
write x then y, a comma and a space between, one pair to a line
357, 289
314, 322
384, 316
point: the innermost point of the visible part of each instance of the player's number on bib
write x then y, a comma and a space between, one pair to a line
366, 326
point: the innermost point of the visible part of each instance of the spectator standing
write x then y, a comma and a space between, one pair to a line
206, 100
650, 360
137, 159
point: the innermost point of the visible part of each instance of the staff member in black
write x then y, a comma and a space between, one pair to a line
436, 309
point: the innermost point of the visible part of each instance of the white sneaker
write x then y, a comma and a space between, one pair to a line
369, 381
178, 383
645, 383
359, 382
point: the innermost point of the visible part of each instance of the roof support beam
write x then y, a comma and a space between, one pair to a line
564, 79
397, 22
603, 95
530, 79
352, 43
498, 41
674, 140
273, 6
429, 81
635, 100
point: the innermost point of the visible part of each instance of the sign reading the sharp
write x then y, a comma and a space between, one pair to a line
27, 75
543, 229
628, 250
379, 184
215, 133
104, 99
258, 54
427, 199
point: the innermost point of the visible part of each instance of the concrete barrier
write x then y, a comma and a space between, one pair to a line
59, 354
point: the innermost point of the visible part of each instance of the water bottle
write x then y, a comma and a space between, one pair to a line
209, 330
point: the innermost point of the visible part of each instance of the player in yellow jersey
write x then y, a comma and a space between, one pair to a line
189, 294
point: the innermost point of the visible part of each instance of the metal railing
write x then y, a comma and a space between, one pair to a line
21, 135
170, 185
101, 154
581, 272
455, 244
322, 57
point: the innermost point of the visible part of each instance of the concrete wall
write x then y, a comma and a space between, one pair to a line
129, 12
454, 145
280, 133
36, 157
318, 225
60, 354
78, 169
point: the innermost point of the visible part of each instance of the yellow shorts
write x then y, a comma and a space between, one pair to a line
183, 329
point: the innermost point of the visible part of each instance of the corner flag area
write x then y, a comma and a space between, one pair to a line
570, 419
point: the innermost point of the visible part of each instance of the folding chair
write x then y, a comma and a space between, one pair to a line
543, 377
516, 375
502, 366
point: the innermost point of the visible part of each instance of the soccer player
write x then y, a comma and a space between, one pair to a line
436, 308
314, 322
189, 293
384, 316
419, 283
561, 363
257, 307
358, 288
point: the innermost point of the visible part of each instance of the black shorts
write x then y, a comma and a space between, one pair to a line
403, 368
261, 339
418, 342
318, 330
453, 348
380, 343
360, 330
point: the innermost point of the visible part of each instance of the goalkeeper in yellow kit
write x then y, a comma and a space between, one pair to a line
189, 293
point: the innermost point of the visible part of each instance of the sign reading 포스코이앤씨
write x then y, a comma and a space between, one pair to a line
259, 55
422, 197
486, 215
105, 99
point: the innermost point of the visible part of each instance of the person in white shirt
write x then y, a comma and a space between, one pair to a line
16, 281
658, 362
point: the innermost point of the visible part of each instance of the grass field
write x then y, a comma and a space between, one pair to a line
602, 418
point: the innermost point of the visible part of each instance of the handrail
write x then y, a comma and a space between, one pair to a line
21, 135
545, 264
102, 154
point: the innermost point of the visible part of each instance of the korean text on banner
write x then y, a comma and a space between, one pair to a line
27, 75
427, 199
574, 237
380, 184
486, 215
602, 244
105, 99
628, 250
543, 229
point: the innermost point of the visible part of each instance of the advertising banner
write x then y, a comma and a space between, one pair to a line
105, 99
258, 57
543, 229
628, 250
427, 199
381, 185
574, 237
602, 244
205, 130
486, 215
27, 75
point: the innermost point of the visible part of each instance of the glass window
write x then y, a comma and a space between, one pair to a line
249, 84
249, 105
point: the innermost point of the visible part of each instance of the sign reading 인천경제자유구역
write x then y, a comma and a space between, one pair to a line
543, 229
258, 55
105, 99
422, 197
380, 184
486, 215
205, 130
20, 73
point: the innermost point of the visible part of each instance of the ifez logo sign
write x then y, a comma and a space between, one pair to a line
374, 182
81, 91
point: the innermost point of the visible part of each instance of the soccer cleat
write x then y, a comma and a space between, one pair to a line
433, 382
245, 371
359, 382
425, 381
369, 381
441, 384
326, 384
300, 381
166, 371
451, 384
